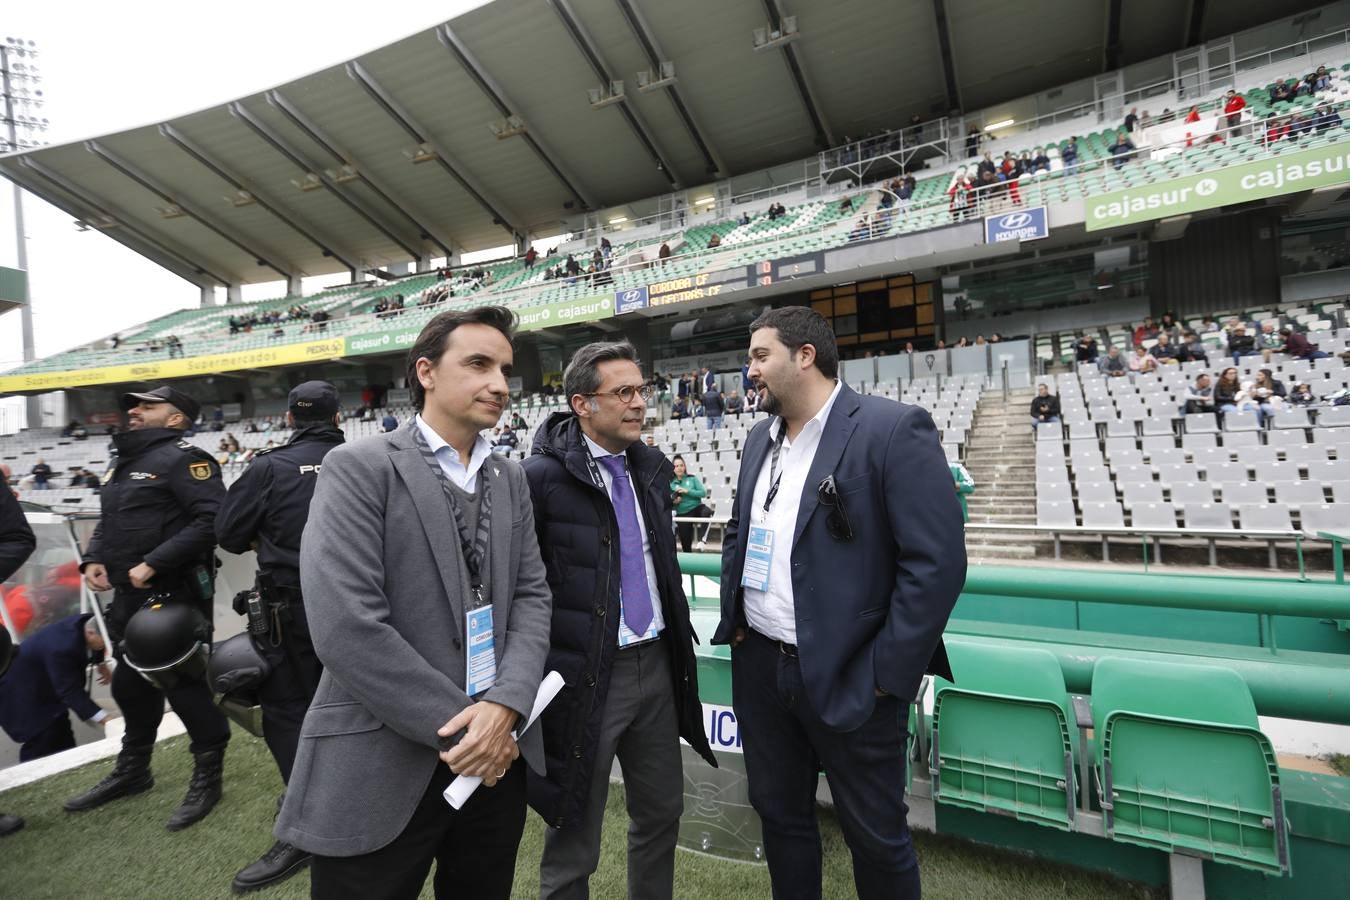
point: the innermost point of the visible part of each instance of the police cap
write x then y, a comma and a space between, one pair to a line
313, 400
164, 394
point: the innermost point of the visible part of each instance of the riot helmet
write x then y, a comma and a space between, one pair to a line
166, 642
235, 672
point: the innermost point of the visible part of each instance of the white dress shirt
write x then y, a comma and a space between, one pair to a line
773, 612
626, 635
464, 476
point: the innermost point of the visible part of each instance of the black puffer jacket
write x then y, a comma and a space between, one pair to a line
576, 526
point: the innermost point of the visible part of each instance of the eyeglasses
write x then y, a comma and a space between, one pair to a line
838, 524
626, 393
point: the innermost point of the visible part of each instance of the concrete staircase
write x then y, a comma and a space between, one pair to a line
1001, 457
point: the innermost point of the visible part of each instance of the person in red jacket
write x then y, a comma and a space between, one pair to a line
1233, 105
1192, 116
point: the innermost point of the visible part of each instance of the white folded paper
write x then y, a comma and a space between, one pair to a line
462, 788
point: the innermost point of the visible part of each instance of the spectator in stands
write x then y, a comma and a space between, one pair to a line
42, 474
1226, 391
687, 493
1233, 105
89, 480
1166, 116
664, 253
1169, 324
1044, 407
1199, 397
517, 422
1269, 394
1281, 92
598, 259
46, 682
714, 407
1113, 365
1192, 349
1298, 346
973, 142
1068, 154
979, 342
1208, 325
1327, 117
1039, 161
606, 250
1130, 119
70, 429
1302, 395
1141, 362
846, 205
1121, 149
1025, 163
1010, 170
1268, 341
862, 230
530, 256
905, 192
751, 405
1147, 331
987, 165
734, 404
389, 423
1164, 351
1085, 351
1276, 128
744, 219
1299, 125
680, 408
1241, 344
573, 268
506, 441
960, 194
1145, 120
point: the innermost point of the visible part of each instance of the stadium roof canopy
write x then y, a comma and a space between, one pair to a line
466, 134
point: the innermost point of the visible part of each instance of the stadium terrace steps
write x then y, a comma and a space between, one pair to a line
1000, 456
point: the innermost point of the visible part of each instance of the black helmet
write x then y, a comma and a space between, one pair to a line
6, 649
166, 642
235, 673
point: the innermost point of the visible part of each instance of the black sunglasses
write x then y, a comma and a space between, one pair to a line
837, 523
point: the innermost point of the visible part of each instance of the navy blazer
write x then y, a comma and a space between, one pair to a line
870, 611
48, 676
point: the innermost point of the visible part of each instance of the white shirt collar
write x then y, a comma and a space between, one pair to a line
820, 418
482, 449
596, 450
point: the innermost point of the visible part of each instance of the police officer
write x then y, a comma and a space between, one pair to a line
154, 545
267, 509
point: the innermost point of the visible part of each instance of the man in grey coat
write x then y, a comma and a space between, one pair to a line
430, 612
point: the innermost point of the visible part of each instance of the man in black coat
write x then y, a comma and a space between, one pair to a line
621, 634
266, 509
155, 541
47, 678
16, 545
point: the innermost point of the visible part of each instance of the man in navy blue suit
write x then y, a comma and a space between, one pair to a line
842, 561
46, 678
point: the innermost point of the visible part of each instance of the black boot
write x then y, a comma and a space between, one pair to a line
276, 865
203, 791
9, 824
130, 776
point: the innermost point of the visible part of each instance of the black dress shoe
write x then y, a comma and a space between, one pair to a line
276, 865
9, 824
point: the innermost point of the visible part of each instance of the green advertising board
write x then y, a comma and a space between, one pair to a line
1287, 173
396, 338
13, 285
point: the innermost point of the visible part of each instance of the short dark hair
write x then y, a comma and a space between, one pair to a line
431, 342
582, 375
798, 326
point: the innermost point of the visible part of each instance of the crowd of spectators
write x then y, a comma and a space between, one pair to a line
244, 324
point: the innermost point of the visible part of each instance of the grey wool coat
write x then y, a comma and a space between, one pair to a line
384, 585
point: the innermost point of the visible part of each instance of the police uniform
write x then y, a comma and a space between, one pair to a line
266, 509
159, 500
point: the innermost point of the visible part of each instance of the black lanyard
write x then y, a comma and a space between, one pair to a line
473, 548
775, 477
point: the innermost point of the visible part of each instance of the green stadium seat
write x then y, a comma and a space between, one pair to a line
1182, 765
1001, 735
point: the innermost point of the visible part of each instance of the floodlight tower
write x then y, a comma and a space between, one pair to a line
19, 80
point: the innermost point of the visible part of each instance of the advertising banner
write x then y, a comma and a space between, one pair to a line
566, 312
630, 300
1022, 225
163, 369
1285, 174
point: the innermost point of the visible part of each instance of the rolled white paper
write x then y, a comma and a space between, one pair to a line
462, 788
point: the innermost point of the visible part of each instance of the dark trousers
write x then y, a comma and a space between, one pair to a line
474, 849
786, 744
686, 529
142, 703
54, 738
286, 694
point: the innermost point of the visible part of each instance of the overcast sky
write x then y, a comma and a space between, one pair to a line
111, 66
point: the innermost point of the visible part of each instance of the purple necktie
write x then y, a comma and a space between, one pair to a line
637, 597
